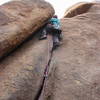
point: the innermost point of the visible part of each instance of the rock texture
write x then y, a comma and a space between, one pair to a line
18, 19
77, 9
75, 66
21, 73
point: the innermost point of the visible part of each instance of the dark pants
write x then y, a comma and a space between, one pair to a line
56, 34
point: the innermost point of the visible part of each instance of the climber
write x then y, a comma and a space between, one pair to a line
53, 27
56, 31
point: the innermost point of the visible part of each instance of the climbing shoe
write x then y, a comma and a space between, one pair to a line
43, 37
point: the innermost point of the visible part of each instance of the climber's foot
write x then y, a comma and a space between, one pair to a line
43, 37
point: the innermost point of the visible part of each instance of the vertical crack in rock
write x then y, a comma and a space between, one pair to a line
24, 80
21, 70
50, 54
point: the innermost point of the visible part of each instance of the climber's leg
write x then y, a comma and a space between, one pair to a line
56, 41
46, 30
43, 34
60, 35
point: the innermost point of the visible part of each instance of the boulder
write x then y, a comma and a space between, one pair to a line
19, 19
74, 72
77, 9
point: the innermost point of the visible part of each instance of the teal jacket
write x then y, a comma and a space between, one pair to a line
55, 22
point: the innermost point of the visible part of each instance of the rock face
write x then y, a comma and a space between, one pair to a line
21, 73
77, 9
18, 19
75, 71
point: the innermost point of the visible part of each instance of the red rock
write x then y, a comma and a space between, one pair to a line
19, 19
75, 67
21, 73
77, 9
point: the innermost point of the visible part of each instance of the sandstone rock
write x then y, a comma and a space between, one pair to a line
21, 73
75, 67
18, 19
77, 9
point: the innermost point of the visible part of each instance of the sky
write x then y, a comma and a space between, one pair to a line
60, 6
3, 1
